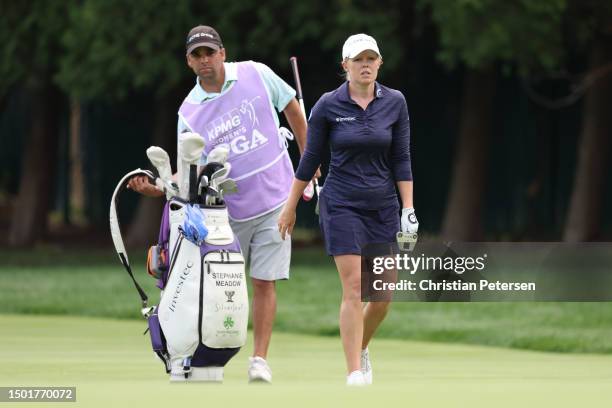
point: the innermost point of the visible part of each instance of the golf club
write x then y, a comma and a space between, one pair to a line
211, 195
190, 149
406, 241
219, 154
313, 186
161, 161
203, 185
227, 186
220, 174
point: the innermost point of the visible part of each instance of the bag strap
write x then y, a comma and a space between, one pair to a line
118, 239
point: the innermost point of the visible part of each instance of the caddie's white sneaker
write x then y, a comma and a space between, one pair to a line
366, 366
356, 379
259, 370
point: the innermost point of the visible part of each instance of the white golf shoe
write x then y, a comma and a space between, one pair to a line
356, 379
259, 370
366, 366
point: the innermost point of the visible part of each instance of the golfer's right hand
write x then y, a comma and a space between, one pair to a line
142, 185
286, 222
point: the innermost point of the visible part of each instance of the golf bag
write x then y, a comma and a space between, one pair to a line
203, 310
201, 320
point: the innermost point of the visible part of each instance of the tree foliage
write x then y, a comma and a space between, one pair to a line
274, 30
30, 40
115, 46
587, 20
104, 49
522, 33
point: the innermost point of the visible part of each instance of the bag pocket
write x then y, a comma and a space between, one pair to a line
157, 261
224, 303
158, 342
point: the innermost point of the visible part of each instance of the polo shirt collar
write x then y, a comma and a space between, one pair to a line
231, 75
346, 97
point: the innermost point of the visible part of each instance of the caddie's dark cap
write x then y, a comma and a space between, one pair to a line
203, 36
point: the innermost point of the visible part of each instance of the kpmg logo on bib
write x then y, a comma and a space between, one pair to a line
238, 128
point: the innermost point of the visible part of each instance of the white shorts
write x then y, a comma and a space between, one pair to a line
267, 255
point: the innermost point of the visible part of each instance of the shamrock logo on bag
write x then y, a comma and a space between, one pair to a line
228, 323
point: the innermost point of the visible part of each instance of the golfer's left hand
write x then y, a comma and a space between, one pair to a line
409, 221
286, 222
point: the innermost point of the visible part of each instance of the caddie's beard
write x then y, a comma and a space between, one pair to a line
210, 76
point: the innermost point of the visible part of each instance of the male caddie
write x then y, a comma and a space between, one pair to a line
234, 103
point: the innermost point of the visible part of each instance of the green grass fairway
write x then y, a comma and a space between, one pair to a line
92, 283
110, 363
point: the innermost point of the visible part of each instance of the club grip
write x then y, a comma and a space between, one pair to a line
296, 77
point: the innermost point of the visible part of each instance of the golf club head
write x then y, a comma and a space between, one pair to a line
220, 177
212, 194
161, 161
406, 240
228, 186
209, 169
202, 188
219, 154
169, 189
190, 148
228, 166
221, 174
203, 180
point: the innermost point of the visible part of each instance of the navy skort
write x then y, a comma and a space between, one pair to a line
346, 230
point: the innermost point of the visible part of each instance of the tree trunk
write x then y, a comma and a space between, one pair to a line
585, 211
29, 218
77, 184
145, 227
464, 209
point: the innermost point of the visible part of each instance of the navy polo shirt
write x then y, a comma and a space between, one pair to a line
370, 149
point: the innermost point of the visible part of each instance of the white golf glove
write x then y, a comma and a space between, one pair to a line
409, 221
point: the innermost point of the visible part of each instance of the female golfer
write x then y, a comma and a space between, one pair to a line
366, 125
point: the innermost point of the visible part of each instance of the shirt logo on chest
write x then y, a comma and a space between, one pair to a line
348, 119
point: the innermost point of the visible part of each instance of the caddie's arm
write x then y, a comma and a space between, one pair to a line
297, 121
142, 185
310, 161
298, 125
